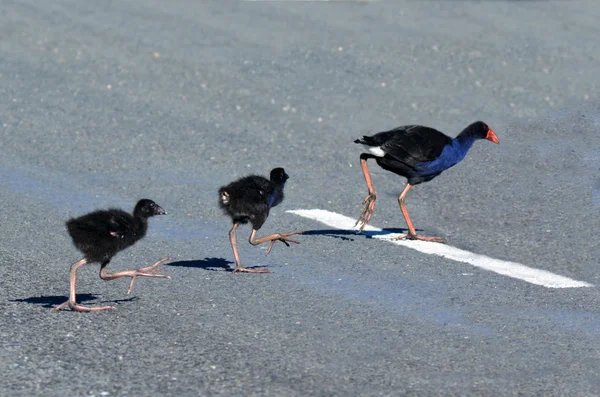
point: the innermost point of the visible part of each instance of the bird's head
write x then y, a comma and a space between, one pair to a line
278, 176
481, 130
147, 208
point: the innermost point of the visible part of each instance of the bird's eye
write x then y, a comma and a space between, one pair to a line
152, 205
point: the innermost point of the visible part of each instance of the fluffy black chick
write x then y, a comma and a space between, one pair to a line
249, 200
100, 235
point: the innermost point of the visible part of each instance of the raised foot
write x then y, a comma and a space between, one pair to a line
283, 237
367, 212
78, 308
409, 236
246, 270
148, 271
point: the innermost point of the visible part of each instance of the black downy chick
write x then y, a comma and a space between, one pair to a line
250, 199
99, 235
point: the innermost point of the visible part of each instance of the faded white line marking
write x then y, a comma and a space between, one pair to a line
505, 268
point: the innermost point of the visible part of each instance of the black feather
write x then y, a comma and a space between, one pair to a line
249, 199
99, 235
408, 149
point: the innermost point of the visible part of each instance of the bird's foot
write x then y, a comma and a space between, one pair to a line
254, 270
148, 271
369, 207
283, 237
78, 308
410, 236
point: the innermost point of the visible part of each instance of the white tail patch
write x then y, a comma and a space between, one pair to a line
225, 198
375, 150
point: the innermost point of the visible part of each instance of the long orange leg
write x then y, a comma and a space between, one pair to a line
369, 201
72, 302
238, 263
148, 271
283, 237
412, 233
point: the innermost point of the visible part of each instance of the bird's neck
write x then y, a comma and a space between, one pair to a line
140, 226
464, 141
457, 150
277, 196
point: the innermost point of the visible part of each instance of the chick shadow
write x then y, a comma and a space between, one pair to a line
50, 301
210, 264
54, 300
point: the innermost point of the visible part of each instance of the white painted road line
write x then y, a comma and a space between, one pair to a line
505, 268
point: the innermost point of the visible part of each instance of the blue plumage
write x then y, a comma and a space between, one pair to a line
451, 155
419, 154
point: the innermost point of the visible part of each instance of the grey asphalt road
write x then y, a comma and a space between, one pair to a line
103, 103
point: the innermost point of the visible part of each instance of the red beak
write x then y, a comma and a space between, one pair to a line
491, 136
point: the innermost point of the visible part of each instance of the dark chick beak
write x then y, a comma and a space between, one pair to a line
159, 211
491, 136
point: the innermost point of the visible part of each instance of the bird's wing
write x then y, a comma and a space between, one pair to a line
119, 224
103, 223
262, 190
415, 144
252, 189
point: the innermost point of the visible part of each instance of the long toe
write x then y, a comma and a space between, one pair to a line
426, 238
154, 267
254, 270
364, 219
149, 271
100, 308
79, 308
367, 212
409, 236
148, 274
290, 234
144, 274
284, 240
432, 239
59, 307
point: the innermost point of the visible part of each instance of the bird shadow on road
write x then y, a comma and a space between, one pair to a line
335, 233
118, 301
383, 232
51, 301
349, 235
211, 264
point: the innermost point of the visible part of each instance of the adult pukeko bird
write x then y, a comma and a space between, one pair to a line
100, 235
250, 199
419, 154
